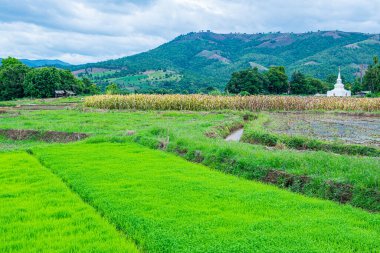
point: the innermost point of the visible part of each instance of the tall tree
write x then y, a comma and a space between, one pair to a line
297, 83
249, 80
42, 82
12, 75
277, 80
371, 79
69, 82
89, 87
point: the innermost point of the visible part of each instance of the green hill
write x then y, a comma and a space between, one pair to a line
203, 59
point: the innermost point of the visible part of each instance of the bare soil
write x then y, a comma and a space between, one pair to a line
49, 136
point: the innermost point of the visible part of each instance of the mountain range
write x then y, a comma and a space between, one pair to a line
203, 59
43, 62
198, 60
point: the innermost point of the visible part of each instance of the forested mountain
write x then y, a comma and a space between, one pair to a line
43, 63
206, 59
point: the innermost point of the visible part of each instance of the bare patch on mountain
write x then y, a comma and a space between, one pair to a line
352, 46
310, 63
275, 40
371, 41
213, 55
334, 34
258, 66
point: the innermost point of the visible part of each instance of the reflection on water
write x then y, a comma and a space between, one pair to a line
235, 135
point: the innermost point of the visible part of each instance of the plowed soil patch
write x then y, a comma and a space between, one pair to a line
48, 136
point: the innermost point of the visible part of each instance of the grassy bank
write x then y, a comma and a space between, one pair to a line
38, 213
168, 204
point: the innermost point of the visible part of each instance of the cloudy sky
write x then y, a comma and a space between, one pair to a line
80, 31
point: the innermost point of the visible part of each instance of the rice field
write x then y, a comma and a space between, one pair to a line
251, 103
112, 192
167, 204
39, 213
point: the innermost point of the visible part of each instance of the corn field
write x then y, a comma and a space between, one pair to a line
252, 103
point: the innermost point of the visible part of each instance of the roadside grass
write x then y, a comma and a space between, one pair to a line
184, 133
38, 213
168, 204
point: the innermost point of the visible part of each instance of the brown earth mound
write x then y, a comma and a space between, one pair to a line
49, 136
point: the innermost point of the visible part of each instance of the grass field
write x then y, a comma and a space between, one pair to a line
129, 197
168, 204
38, 213
184, 133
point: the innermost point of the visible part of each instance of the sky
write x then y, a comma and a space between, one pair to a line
82, 31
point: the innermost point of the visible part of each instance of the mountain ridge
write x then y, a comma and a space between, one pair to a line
43, 62
206, 58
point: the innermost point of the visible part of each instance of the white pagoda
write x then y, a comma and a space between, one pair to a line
339, 90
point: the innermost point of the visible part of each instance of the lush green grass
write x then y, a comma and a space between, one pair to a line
167, 204
38, 213
185, 134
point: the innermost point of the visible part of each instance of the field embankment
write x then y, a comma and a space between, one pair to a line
250, 103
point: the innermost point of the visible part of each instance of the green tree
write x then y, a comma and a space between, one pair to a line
371, 80
42, 82
356, 86
69, 82
89, 87
249, 80
277, 80
314, 86
112, 89
12, 75
297, 83
10, 61
301, 84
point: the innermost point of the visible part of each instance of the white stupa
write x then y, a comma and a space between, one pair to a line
339, 90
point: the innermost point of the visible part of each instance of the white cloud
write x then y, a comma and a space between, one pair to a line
79, 31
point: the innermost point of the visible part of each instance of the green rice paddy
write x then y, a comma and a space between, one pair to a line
111, 194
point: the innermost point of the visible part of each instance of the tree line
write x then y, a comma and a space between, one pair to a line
275, 81
18, 80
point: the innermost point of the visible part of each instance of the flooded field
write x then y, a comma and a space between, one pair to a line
354, 129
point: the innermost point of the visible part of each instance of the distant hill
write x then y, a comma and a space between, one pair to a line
205, 59
41, 63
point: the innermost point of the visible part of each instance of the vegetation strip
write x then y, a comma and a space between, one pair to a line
168, 204
250, 103
39, 214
